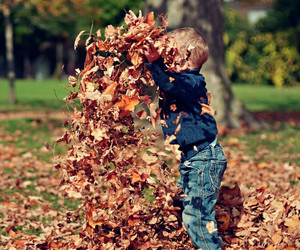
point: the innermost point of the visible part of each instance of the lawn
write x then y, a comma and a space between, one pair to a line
31, 134
268, 98
34, 95
49, 94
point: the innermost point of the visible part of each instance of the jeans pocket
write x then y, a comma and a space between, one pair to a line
216, 172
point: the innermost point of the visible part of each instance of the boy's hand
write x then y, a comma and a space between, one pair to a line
151, 54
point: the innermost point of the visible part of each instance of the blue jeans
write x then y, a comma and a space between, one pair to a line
200, 179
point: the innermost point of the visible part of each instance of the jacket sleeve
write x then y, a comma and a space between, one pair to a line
182, 85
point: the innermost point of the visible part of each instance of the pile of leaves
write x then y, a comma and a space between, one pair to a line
113, 165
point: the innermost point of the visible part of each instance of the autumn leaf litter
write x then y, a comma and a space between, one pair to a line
117, 172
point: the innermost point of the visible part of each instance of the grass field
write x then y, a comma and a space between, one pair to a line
34, 95
48, 95
268, 98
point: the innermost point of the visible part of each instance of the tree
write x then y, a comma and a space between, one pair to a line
287, 20
52, 26
6, 7
208, 18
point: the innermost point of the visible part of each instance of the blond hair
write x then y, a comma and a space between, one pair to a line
191, 40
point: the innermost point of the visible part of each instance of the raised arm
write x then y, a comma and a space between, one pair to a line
186, 85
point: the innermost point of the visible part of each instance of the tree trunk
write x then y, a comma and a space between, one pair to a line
208, 17
59, 60
27, 72
9, 53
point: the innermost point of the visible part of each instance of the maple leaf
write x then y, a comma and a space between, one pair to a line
150, 19
127, 104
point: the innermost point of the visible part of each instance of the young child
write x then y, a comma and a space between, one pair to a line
183, 96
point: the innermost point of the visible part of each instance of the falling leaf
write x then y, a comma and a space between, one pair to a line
206, 109
77, 39
47, 145
127, 103
171, 79
150, 19
173, 107
100, 134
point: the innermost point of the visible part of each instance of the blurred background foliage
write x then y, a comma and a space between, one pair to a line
266, 52
44, 32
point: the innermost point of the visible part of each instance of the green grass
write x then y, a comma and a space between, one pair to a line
268, 98
34, 95
49, 94
280, 144
30, 135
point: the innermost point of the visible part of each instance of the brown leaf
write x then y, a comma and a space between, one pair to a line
127, 103
77, 39
206, 109
150, 19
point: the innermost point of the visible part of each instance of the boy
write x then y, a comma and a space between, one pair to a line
203, 162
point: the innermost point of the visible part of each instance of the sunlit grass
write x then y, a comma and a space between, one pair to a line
49, 94
34, 95
268, 98
282, 143
31, 135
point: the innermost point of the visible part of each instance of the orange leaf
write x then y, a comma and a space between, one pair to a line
292, 222
171, 79
276, 238
150, 19
270, 247
132, 221
206, 109
20, 243
13, 234
135, 177
92, 223
9, 204
127, 103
